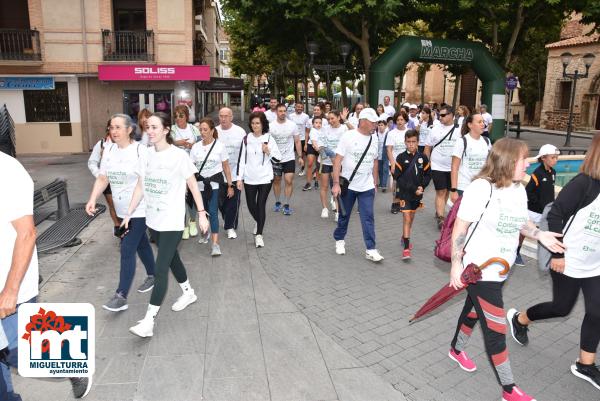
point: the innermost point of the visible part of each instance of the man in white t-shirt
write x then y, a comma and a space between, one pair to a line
285, 133
468, 156
231, 136
18, 267
439, 147
487, 120
271, 114
387, 107
413, 118
361, 179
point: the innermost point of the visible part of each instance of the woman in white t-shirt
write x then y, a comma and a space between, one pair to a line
394, 145
117, 169
162, 180
255, 174
424, 127
492, 213
383, 164
468, 156
143, 116
211, 159
353, 117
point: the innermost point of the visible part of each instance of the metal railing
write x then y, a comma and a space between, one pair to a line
128, 45
20, 44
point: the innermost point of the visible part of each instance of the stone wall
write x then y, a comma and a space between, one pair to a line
559, 119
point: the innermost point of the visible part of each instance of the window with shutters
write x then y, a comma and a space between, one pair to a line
47, 105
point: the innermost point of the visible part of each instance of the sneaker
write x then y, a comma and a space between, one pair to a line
307, 187
231, 234
519, 260
340, 247
324, 213
384, 189
518, 331
406, 254
395, 208
463, 360
588, 373
186, 233
184, 300
147, 285
373, 255
316, 184
336, 217
439, 221
144, 328
81, 386
302, 173
204, 238
287, 210
193, 229
259, 242
332, 204
516, 395
277, 207
116, 304
216, 250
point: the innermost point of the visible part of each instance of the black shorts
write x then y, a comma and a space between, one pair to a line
311, 151
284, 168
410, 205
326, 169
302, 142
441, 179
107, 191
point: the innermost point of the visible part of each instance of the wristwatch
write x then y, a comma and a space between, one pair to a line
453, 189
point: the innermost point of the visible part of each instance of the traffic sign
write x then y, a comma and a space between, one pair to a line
512, 82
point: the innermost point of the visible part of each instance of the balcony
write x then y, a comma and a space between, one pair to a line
20, 45
128, 45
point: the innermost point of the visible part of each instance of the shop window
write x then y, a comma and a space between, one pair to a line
47, 105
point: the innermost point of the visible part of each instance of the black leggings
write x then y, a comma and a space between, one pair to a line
166, 257
565, 291
486, 298
256, 199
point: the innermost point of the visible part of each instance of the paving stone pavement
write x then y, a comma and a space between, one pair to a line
351, 303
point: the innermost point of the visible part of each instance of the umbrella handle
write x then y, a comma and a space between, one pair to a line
501, 261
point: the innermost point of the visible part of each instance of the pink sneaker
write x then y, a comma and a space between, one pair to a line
463, 360
516, 395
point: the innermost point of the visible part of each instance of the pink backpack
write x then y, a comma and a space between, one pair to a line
443, 246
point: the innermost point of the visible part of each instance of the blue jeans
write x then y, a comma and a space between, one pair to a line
384, 171
10, 326
136, 240
212, 206
365, 210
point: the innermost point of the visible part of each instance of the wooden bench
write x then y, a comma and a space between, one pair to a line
69, 221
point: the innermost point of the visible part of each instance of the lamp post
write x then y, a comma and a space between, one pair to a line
313, 49
566, 58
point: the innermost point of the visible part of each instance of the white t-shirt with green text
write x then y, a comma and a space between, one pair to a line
582, 241
164, 176
396, 139
472, 160
214, 163
285, 135
351, 146
119, 166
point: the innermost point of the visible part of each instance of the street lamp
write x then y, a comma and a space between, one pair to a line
313, 49
566, 58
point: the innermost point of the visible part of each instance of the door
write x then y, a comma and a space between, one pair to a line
597, 125
135, 100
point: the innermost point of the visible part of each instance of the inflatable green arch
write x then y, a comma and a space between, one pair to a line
442, 51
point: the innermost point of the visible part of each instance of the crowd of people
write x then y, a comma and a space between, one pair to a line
181, 179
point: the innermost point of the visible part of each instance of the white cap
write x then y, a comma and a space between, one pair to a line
368, 114
413, 106
383, 117
548, 149
406, 104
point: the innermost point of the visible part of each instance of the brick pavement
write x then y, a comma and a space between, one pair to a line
365, 307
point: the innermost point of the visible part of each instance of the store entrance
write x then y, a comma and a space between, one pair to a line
135, 100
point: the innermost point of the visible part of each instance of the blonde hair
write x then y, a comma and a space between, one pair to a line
591, 163
499, 167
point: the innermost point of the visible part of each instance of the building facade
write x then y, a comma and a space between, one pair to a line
67, 65
574, 39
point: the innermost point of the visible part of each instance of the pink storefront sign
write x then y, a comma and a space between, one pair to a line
153, 72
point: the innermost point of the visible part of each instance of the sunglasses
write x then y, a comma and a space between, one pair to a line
444, 115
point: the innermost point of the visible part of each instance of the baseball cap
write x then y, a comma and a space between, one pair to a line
406, 104
548, 149
413, 106
368, 114
383, 117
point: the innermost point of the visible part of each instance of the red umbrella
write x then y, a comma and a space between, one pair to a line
470, 275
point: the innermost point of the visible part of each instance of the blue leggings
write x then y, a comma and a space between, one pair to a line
212, 207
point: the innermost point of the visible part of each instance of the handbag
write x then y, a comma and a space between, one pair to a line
189, 199
345, 183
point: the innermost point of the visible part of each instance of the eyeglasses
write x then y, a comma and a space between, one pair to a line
179, 115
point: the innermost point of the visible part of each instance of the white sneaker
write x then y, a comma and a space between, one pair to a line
324, 213
340, 247
332, 204
184, 300
336, 216
186, 233
144, 328
231, 234
258, 240
302, 173
374, 255
193, 229
255, 229
204, 238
